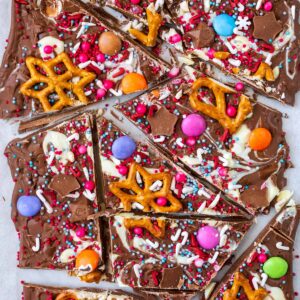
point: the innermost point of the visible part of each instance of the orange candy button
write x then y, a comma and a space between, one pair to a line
133, 82
260, 139
87, 257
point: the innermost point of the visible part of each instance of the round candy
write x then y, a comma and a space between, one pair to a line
100, 93
133, 82
109, 43
231, 111
260, 139
268, 6
29, 206
87, 257
275, 267
262, 257
82, 149
224, 24
89, 185
193, 125
123, 170
138, 230
239, 86
208, 237
161, 201
80, 232
123, 147
48, 49
141, 109
180, 177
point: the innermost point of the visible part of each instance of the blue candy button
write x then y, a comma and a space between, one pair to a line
224, 24
29, 206
123, 147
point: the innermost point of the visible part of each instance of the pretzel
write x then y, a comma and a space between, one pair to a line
156, 230
221, 55
66, 296
265, 71
144, 195
241, 281
154, 21
218, 112
91, 277
56, 83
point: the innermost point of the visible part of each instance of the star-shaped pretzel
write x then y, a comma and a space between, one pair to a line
240, 281
156, 230
129, 191
55, 83
154, 21
218, 112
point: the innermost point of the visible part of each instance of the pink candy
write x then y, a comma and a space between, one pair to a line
100, 93
80, 232
138, 230
85, 46
161, 201
191, 141
262, 258
108, 84
222, 171
268, 6
89, 185
48, 49
239, 86
173, 72
231, 111
193, 125
208, 237
141, 109
82, 149
176, 38
83, 57
123, 170
180, 177
100, 58
135, 1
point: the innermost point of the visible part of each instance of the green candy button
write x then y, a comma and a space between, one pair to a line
275, 267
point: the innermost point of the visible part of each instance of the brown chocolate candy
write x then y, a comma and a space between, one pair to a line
202, 36
109, 43
64, 184
162, 122
266, 27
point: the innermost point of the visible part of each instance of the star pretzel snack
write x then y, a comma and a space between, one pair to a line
56, 83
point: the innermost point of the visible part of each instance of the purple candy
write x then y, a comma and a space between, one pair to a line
208, 237
123, 147
193, 125
29, 206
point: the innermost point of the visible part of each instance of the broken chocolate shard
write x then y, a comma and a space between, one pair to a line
172, 278
162, 122
202, 36
64, 184
79, 209
266, 27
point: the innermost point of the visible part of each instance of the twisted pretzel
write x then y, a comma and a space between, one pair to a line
56, 83
265, 71
156, 230
144, 195
154, 21
218, 112
241, 281
66, 296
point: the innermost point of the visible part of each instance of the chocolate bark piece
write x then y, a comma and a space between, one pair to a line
175, 259
261, 41
273, 242
52, 236
69, 34
186, 191
40, 292
251, 178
